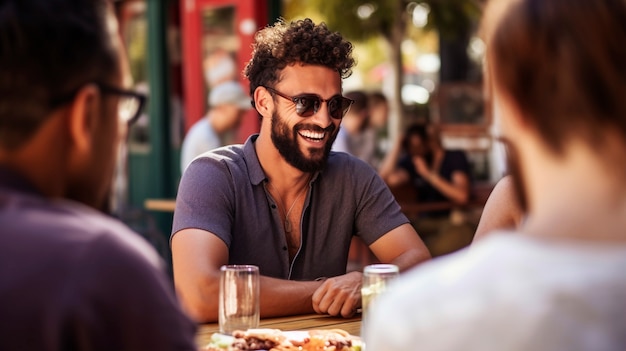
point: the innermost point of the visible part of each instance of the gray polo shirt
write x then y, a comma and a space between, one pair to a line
224, 192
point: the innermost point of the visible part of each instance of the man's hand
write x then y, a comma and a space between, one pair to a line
339, 295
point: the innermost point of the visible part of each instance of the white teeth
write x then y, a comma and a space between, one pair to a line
312, 135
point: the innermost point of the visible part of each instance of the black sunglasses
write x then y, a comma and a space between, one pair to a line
308, 104
129, 105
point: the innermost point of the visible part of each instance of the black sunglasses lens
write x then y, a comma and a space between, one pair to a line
338, 106
306, 106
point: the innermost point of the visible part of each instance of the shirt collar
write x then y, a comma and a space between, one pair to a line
252, 161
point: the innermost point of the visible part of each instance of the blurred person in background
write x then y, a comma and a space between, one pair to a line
557, 83
71, 277
227, 105
419, 165
352, 137
283, 200
436, 174
219, 67
377, 130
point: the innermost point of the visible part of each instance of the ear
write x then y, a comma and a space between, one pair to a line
264, 102
83, 117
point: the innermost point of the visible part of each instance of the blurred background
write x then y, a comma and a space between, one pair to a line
424, 56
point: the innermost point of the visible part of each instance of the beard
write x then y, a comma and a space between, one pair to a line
515, 170
286, 142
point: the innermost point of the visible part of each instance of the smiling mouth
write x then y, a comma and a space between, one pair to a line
312, 136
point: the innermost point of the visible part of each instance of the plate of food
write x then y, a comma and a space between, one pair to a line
278, 340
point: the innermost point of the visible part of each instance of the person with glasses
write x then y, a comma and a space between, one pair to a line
283, 201
71, 276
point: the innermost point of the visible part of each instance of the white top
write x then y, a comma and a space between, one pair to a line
507, 292
200, 138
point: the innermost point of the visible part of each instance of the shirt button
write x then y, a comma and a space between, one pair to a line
273, 206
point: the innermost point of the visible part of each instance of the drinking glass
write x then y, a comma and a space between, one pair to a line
239, 298
375, 279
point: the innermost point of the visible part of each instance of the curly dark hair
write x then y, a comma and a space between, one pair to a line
300, 41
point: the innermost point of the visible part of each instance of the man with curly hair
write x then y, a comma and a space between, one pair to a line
284, 201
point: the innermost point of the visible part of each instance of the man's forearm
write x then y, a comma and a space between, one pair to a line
281, 297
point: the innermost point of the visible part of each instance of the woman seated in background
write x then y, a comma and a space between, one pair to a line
420, 164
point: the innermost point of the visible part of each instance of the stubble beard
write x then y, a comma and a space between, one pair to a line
286, 142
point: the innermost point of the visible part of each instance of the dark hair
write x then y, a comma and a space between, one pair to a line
419, 130
360, 100
376, 98
563, 62
301, 41
48, 50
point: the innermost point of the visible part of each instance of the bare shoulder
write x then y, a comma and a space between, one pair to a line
502, 209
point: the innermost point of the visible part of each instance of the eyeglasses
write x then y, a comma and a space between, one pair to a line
129, 105
308, 104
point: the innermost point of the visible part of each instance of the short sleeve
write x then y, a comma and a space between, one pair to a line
377, 211
205, 198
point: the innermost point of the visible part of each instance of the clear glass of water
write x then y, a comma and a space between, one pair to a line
239, 301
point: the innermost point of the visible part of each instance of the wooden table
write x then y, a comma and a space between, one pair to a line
161, 205
300, 322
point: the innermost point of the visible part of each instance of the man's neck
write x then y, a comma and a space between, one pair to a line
580, 221
42, 159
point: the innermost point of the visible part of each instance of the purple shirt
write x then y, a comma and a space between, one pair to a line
224, 192
72, 278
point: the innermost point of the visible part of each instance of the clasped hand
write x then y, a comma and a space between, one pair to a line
339, 295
